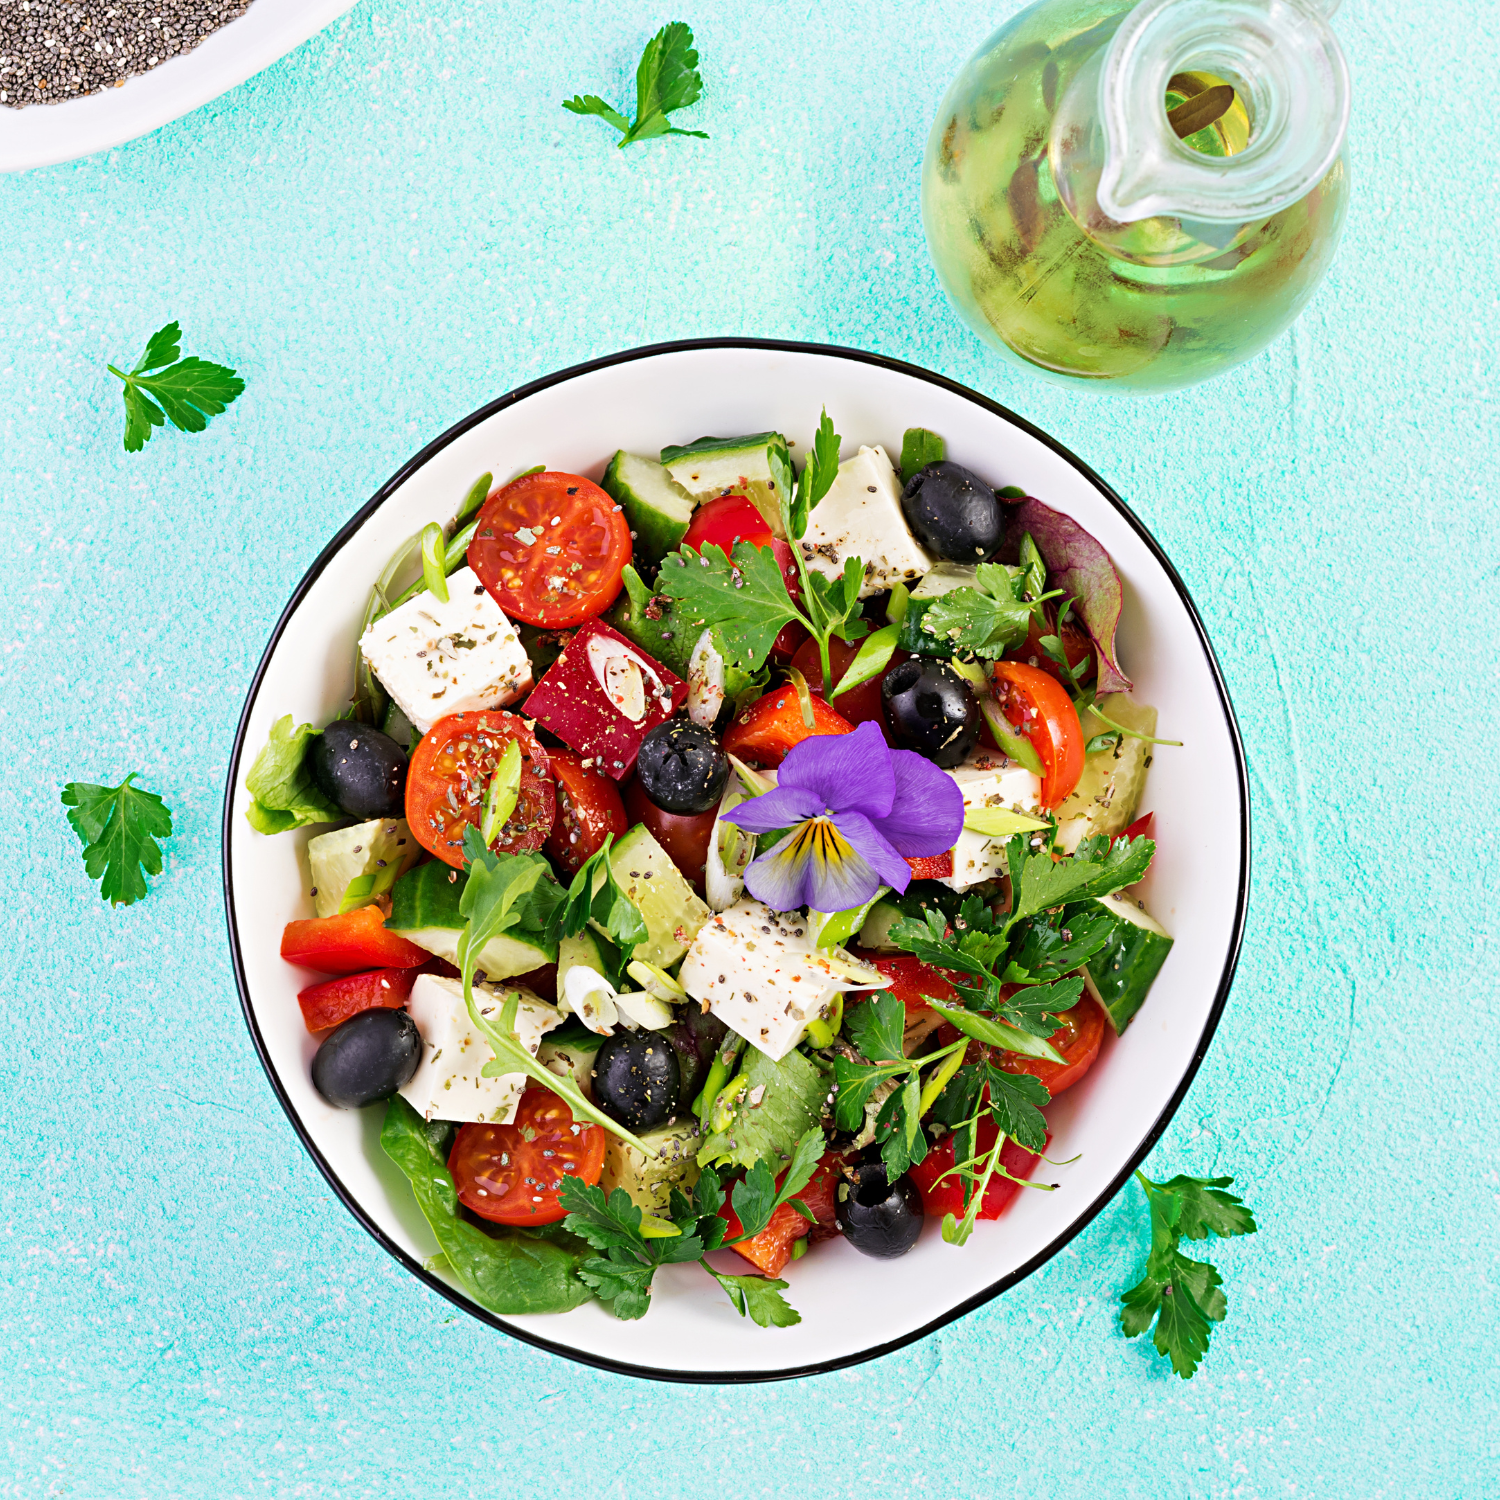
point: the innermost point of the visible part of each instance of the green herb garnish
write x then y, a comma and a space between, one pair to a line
666, 79
118, 827
189, 391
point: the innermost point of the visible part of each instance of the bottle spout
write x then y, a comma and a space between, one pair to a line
1288, 72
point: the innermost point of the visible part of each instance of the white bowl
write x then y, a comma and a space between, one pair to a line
42, 134
853, 1308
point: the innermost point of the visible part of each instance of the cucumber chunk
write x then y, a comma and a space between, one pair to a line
739, 465
876, 933
649, 1180
672, 913
1121, 974
657, 509
424, 910
1109, 791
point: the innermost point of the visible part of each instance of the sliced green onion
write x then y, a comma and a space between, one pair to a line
653, 1228
479, 492
752, 781
1016, 746
526, 473
363, 889
505, 790
831, 929
656, 982
1001, 822
900, 602
939, 1080
998, 1033
821, 1031
871, 660
434, 555
804, 694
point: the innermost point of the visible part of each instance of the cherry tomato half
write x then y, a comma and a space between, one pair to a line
449, 778
766, 732
1077, 647
860, 704
1078, 1041
512, 1174
550, 548
1037, 705
724, 521
589, 810
946, 1197
683, 836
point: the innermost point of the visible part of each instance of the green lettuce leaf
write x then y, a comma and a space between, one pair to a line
281, 783
789, 1106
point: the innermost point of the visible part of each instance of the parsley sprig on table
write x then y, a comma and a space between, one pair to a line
666, 79
119, 827
636, 1244
744, 598
1184, 1297
189, 391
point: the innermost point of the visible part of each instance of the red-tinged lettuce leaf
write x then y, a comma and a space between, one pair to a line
1078, 565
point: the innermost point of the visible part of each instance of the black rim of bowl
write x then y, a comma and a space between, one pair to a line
1142, 1150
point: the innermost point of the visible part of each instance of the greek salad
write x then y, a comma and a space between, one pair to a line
720, 858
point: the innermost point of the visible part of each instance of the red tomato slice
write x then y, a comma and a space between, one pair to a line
1037, 705
724, 521
771, 1249
1077, 647
589, 810
349, 942
771, 726
550, 548
1078, 1040
860, 704
946, 1197
913, 982
512, 1174
683, 836
449, 778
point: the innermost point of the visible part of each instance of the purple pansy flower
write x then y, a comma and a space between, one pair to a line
856, 810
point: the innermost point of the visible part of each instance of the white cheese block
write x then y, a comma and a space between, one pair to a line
436, 659
448, 1084
759, 973
988, 779
861, 517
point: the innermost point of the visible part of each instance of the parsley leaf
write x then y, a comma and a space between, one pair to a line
816, 479
756, 1196
1183, 1296
119, 827
189, 391
1096, 868
988, 619
666, 80
878, 1027
919, 447
744, 599
759, 1298
595, 895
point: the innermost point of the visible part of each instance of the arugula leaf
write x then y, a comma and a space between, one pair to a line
190, 390
987, 620
666, 80
1184, 1296
118, 827
878, 1027
759, 1298
1016, 1101
283, 793
919, 447
744, 599
511, 1273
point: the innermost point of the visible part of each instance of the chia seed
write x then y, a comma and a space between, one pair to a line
52, 50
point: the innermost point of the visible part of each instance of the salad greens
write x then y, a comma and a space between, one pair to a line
1183, 1296
118, 827
519, 1271
189, 391
281, 787
919, 447
988, 619
764, 1111
666, 79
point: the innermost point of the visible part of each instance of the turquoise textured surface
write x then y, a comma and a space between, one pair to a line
396, 224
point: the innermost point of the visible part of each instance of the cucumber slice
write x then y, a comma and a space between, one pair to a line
945, 577
1109, 791
1122, 972
572, 1059
673, 914
424, 910
876, 933
657, 509
740, 465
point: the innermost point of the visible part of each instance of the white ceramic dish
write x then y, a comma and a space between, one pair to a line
853, 1308
42, 134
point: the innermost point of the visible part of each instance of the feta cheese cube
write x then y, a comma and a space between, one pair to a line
861, 517
448, 1083
761, 975
988, 779
437, 659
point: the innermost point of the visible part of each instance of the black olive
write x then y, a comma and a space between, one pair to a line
878, 1217
931, 710
636, 1079
681, 768
953, 512
696, 1037
360, 768
367, 1058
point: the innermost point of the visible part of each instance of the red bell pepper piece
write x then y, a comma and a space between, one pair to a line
933, 867
348, 943
771, 1249
1144, 827
946, 1197
766, 732
603, 695
331, 1002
